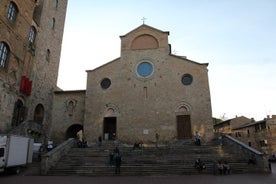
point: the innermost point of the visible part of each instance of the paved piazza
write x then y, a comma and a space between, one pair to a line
198, 179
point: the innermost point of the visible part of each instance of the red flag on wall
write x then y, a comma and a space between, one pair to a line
26, 85
29, 87
23, 84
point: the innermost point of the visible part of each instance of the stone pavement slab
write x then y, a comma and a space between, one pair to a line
194, 179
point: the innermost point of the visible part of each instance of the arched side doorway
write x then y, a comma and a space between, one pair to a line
39, 113
183, 122
18, 113
72, 131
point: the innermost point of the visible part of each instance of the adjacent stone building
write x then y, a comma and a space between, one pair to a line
227, 126
68, 114
30, 45
258, 134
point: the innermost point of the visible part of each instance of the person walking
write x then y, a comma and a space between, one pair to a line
118, 161
156, 139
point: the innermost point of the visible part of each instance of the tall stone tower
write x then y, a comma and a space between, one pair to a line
30, 46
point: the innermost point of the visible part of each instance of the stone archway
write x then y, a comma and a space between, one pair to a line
72, 131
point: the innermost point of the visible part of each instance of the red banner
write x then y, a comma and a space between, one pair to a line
26, 85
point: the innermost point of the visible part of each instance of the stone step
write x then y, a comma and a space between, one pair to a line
172, 160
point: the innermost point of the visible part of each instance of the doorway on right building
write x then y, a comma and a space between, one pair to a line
183, 127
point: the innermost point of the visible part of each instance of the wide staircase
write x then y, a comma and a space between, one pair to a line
175, 159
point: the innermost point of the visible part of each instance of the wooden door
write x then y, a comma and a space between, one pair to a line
184, 127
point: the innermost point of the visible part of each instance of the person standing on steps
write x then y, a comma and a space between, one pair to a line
117, 159
197, 138
100, 140
156, 140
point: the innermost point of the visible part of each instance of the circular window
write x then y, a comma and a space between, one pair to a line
105, 83
145, 69
187, 79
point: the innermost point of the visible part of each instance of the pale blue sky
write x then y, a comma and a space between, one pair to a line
236, 37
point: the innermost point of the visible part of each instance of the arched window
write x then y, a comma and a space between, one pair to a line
18, 113
39, 113
12, 11
4, 52
32, 35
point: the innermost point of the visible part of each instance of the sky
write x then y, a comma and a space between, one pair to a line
236, 37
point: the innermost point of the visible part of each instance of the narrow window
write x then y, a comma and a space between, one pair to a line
48, 54
53, 23
146, 92
4, 52
56, 4
12, 12
32, 35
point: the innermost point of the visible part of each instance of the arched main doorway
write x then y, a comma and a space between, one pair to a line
183, 122
110, 122
109, 128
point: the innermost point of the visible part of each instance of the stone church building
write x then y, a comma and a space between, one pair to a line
147, 90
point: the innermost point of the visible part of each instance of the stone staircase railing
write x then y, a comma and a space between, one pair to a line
248, 152
50, 159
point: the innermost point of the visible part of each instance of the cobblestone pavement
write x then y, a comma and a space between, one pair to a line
195, 179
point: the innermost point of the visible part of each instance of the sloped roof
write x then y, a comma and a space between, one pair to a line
185, 58
114, 60
228, 122
249, 124
147, 26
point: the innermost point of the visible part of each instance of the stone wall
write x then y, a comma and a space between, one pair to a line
45, 67
68, 110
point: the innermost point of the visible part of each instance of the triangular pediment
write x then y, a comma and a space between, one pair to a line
144, 27
145, 37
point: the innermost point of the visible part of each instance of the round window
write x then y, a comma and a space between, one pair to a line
105, 83
145, 69
187, 79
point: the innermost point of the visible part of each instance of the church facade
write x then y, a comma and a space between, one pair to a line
147, 91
